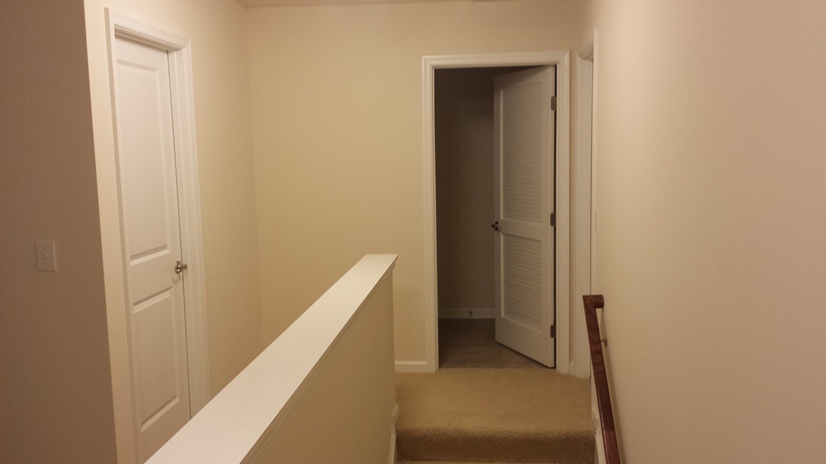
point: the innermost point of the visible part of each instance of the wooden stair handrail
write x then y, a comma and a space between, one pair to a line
606, 414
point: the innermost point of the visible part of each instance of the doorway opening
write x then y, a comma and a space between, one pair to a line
465, 207
561, 192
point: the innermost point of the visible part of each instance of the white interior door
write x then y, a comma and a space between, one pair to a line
524, 198
152, 241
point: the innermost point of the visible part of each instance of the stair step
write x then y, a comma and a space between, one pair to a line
494, 415
475, 462
466, 462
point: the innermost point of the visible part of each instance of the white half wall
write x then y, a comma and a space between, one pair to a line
324, 391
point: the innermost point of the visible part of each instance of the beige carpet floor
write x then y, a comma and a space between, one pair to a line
494, 415
470, 343
456, 462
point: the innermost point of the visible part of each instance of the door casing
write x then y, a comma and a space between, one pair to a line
583, 251
560, 59
180, 70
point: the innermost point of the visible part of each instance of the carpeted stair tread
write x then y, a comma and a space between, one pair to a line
490, 415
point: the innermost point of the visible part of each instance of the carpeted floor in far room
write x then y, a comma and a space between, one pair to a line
495, 413
470, 343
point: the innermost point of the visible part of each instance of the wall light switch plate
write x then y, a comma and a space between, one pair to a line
46, 259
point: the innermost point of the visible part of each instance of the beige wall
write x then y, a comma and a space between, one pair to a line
336, 95
55, 392
464, 188
216, 29
711, 161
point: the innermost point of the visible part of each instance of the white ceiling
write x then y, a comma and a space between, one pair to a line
254, 3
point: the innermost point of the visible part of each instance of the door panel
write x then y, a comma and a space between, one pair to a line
149, 203
154, 327
523, 192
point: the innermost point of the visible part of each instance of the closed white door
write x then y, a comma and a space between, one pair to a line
524, 198
152, 240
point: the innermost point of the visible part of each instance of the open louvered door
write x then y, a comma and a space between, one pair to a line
523, 173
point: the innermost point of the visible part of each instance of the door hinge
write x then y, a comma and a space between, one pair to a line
553, 331
553, 219
553, 103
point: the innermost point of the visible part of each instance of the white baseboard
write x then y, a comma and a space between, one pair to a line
415, 367
599, 450
467, 313
392, 457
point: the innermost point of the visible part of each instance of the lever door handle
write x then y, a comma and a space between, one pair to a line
180, 267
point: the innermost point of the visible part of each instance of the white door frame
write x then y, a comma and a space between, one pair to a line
183, 110
582, 230
560, 59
